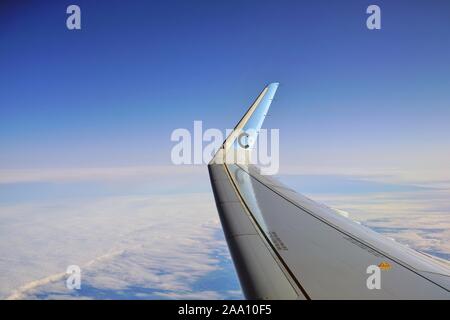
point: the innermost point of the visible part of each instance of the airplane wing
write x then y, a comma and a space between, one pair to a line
286, 246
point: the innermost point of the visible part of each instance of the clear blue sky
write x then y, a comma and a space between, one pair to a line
111, 93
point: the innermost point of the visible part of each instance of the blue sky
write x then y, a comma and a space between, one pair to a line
86, 118
111, 94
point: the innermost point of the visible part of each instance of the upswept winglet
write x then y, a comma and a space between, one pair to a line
287, 246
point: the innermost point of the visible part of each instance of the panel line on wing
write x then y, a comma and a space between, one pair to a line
401, 263
267, 240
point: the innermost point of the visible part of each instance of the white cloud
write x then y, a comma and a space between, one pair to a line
159, 244
162, 246
95, 174
431, 176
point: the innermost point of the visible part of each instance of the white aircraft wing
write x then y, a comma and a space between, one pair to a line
286, 246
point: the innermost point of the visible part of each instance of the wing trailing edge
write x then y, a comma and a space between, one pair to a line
286, 246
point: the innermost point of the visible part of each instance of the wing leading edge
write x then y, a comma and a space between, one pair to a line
286, 246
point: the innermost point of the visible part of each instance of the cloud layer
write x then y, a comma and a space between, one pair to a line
127, 247
158, 237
